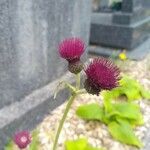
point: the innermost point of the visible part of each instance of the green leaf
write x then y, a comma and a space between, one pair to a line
123, 132
139, 121
145, 94
90, 112
35, 141
79, 144
126, 110
132, 94
108, 97
9, 146
128, 87
111, 94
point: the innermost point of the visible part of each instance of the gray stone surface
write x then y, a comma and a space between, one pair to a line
103, 51
104, 3
25, 114
146, 3
101, 18
126, 18
101, 5
115, 35
29, 35
138, 53
126, 29
131, 5
95, 5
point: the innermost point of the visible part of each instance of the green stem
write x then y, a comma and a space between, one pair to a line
67, 85
70, 101
78, 81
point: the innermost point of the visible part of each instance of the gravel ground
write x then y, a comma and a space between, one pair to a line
94, 131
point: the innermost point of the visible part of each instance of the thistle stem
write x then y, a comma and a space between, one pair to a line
78, 81
70, 101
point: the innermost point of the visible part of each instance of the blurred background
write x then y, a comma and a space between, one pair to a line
30, 32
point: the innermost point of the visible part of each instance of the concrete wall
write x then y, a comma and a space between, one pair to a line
30, 31
146, 3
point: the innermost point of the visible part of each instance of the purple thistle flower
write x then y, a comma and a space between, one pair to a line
22, 139
102, 74
71, 49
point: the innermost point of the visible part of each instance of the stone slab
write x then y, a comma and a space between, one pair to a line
135, 54
131, 5
27, 113
118, 36
146, 4
101, 18
129, 18
30, 31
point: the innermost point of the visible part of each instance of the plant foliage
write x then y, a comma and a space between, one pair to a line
122, 116
129, 88
35, 141
122, 131
79, 144
9, 146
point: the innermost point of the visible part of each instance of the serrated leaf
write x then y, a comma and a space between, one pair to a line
79, 144
126, 110
132, 93
127, 81
130, 87
90, 112
111, 94
139, 121
123, 132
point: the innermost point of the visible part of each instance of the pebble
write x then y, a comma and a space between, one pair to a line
67, 125
75, 137
95, 134
100, 135
116, 146
92, 142
107, 142
81, 136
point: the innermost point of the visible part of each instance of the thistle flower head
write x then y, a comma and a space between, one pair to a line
102, 74
22, 139
71, 48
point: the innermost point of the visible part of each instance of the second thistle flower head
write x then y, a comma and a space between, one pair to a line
22, 139
102, 74
71, 49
